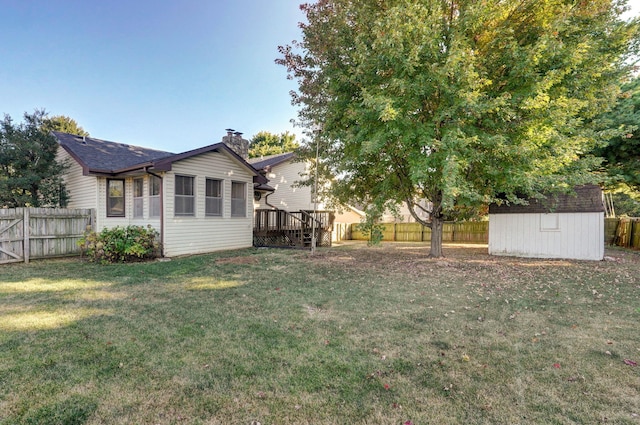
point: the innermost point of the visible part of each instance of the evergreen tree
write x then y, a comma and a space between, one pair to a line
30, 176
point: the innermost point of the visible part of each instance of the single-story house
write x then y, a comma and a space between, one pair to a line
199, 201
567, 226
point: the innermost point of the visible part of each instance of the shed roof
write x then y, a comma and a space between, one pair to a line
587, 198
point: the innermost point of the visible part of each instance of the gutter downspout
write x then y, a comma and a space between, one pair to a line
146, 169
266, 201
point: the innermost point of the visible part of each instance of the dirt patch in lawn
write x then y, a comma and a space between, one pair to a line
238, 260
412, 259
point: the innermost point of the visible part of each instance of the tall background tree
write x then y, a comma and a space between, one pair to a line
30, 176
461, 102
64, 124
621, 152
265, 143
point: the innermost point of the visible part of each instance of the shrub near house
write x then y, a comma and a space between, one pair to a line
121, 244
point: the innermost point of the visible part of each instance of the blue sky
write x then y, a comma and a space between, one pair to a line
170, 75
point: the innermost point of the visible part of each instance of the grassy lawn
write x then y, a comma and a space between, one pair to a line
353, 335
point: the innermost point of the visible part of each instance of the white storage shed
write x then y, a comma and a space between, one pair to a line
569, 226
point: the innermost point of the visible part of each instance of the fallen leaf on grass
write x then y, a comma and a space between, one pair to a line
556, 365
630, 362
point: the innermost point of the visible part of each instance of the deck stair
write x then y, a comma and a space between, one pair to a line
291, 229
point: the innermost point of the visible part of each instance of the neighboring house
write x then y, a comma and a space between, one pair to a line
561, 226
404, 216
199, 201
284, 172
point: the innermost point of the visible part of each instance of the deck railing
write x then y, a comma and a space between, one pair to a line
280, 228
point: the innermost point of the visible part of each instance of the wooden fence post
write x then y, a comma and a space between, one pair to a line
26, 233
93, 220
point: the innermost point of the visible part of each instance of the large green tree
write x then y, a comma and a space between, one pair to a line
64, 124
460, 102
265, 143
30, 176
622, 152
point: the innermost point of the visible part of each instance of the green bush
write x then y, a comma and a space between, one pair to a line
371, 227
121, 244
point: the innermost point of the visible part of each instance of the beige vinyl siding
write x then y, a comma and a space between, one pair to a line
201, 233
103, 221
577, 236
82, 189
145, 219
348, 216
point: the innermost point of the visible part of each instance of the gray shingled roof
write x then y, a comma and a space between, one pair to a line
98, 156
587, 198
106, 157
266, 162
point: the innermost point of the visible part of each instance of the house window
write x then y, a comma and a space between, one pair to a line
138, 198
238, 199
154, 196
185, 199
213, 198
115, 198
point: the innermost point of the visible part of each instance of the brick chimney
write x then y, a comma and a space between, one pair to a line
234, 140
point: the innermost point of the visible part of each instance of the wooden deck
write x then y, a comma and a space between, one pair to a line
286, 229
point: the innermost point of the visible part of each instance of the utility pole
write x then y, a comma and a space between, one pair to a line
315, 197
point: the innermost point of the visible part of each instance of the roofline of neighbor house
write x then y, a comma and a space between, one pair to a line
284, 157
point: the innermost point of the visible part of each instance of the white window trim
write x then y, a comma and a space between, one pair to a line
192, 197
244, 214
221, 197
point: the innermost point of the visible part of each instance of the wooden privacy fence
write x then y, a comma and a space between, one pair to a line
471, 232
31, 233
623, 232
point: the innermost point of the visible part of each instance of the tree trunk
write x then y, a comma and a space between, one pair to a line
436, 236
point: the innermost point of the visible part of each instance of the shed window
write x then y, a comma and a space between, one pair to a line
213, 198
138, 198
238, 199
549, 222
154, 196
185, 199
115, 198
